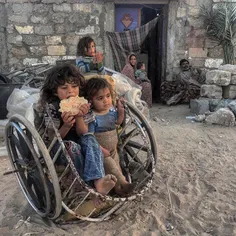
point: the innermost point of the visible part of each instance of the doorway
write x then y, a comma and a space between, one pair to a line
153, 50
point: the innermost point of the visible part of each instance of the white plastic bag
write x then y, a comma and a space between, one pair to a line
123, 84
21, 102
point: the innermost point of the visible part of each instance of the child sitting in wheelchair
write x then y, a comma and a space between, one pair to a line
99, 93
61, 83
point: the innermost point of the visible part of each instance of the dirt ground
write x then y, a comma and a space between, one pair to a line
194, 187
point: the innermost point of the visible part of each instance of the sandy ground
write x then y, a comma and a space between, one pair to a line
194, 187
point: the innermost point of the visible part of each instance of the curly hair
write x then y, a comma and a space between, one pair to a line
57, 76
93, 85
82, 44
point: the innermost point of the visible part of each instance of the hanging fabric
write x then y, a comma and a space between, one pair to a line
122, 43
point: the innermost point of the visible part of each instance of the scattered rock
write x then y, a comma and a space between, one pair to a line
223, 116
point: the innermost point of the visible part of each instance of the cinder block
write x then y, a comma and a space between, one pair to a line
211, 91
199, 106
229, 91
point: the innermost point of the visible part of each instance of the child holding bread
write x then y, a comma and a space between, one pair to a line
63, 84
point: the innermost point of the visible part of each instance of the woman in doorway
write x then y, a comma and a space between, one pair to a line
129, 70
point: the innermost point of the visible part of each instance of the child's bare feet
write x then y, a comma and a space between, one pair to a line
125, 189
105, 184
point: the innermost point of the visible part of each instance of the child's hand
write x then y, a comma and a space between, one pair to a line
99, 57
105, 152
84, 109
68, 119
120, 103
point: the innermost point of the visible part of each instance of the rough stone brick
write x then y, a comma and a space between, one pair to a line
38, 50
60, 29
72, 50
24, 29
216, 52
213, 103
52, 1
10, 29
229, 91
197, 52
23, 9
17, 1
44, 30
50, 59
228, 67
218, 77
191, 2
14, 39
194, 12
199, 106
19, 18
58, 18
211, 91
41, 8
39, 19
62, 8
19, 51
213, 63
53, 40
233, 79
56, 50
30, 61
198, 62
33, 39
181, 12
87, 30
82, 7
72, 40
195, 42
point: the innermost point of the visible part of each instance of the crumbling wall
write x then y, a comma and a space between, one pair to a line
3, 43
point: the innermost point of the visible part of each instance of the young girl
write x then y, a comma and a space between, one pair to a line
63, 82
99, 94
88, 60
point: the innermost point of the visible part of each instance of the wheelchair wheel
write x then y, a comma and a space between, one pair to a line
137, 149
33, 167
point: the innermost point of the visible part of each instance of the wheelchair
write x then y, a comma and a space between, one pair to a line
57, 191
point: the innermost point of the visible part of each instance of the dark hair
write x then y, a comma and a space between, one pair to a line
93, 85
82, 44
56, 77
139, 64
182, 61
132, 54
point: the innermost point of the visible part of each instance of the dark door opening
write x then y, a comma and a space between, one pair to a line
154, 47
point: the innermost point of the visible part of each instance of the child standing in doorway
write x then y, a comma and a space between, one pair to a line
99, 93
87, 58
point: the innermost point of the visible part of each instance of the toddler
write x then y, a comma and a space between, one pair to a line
106, 117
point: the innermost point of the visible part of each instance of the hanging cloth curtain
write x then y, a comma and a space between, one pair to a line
122, 43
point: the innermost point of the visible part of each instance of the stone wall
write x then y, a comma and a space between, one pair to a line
33, 31
48, 30
187, 37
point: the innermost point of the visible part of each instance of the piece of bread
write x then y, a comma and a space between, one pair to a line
72, 104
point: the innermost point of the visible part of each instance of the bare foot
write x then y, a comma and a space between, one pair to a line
105, 184
125, 189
